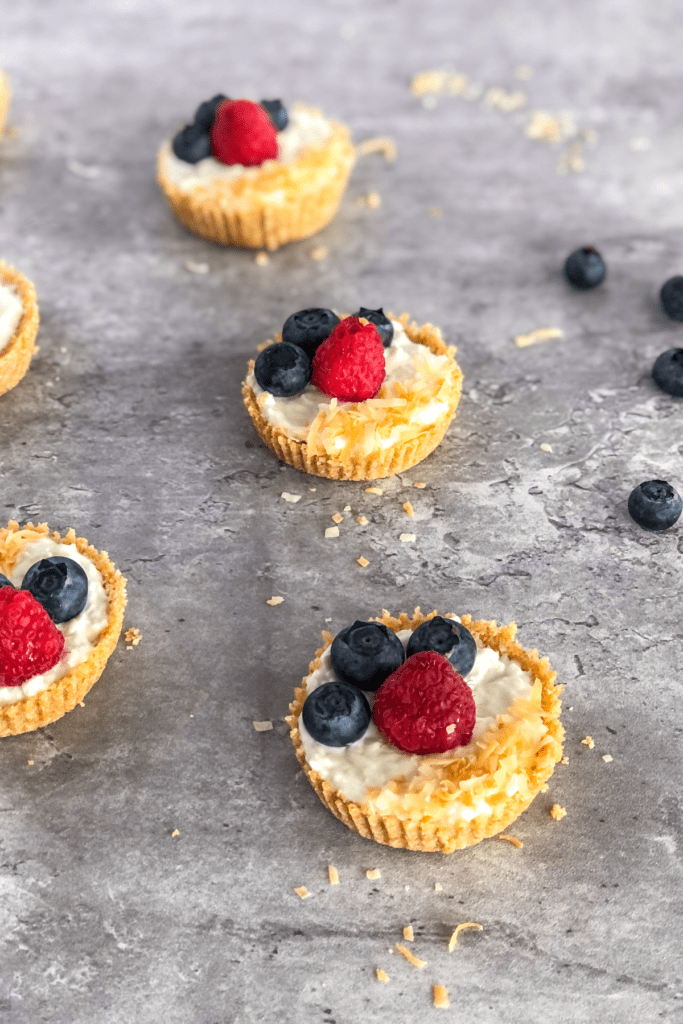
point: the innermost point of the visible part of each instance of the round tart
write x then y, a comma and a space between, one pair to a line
18, 325
5, 96
454, 798
89, 637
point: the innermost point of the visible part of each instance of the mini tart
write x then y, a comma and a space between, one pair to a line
504, 750
5, 97
354, 462
66, 692
268, 206
15, 358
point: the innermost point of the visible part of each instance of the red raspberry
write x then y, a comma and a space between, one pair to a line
30, 643
349, 365
242, 133
418, 703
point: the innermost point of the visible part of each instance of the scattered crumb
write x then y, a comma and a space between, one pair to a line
420, 485
435, 83
438, 887
411, 958
332, 874
262, 259
639, 144
329, 620
291, 497
81, 703
543, 127
63, 350
319, 253
262, 726
511, 839
565, 760
174, 833
607, 758
557, 812
132, 636
363, 562
362, 520
589, 742
347, 508
312, 489
272, 601
408, 933
408, 508
373, 200
523, 72
384, 145
435, 211
374, 490
407, 538
544, 788
450, 729
337, 518
545, 447
373, 874
302, 892
29, 762
541, 334
505, 101
331, 531
453, 941
441, 1000
196, 268
407, 888
382, 975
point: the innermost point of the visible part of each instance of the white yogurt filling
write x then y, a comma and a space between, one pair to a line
11, 308
496, 682
306, 127
81, 633
405, 361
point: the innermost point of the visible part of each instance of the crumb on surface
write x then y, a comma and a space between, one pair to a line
291, 497
132, 636
408, 508
408, 933
29, 762
588, 741
382, 144
264, 726
363, 562
504, 101
564, 760
196, 268
410, 957
373, 874
382, 975
361, 520
373, 200
453, 941
337, 518
319, 253
512, 839
331, 531
407, 538
347, 508
557, 812
607, 758
274, 600
436, 83
302, 892
545, 447
262, 259
420, 485
175, 833
438, 887
540, 334
374, 490
332, 874
440, 997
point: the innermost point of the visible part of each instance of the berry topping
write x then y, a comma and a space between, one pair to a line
283, 369
336, 714
242, 133
365, 653
277, 114
425, 707
60, 585
654, 505
309, 328
384, 326
4, 582
206, 111
192, 144
585, 268
667, 372
30, 643
447, 637
671, 297
350, 364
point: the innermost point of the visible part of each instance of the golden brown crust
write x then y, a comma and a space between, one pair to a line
501, 751
382, 463
16, 356
281, 203
64, 694
5, 97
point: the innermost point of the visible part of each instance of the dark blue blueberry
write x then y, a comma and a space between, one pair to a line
309, 328
585, 268
206, 112
667, 373
447, 637
4, 582
60, 585
654, 505
277, 114
671, 297
384, 326
192, 144
365, 653
283, 369
336, 714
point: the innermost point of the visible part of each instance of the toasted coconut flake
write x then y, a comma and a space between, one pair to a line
175, 833
607, 758
588, 741
373, 874
564, 760
407, 538
438, 887
545, 447
383, 144
512, 839
331, 531
453, 942
273, 601
410, 957
302, 892
420, 485
440, 995
293, 498
382, 975
408, 933
374, 490
363, 562
132, 636
557, 812
361, 520
264, 726
540, 334
408, 508
332, 874
337, 518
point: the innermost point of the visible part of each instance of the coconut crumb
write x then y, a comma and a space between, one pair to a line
383, 144
407, 538
264, 726
435, 211
382, 976
362, 520
291, 497
411, 958
373, 200
302, 892
29, 762
436, 83
374, 490
438, 887
512, 839
453, 941
363, 562
607, 758
450, 729
196, 268
588, 741
319, 253
347, 508
408, 933
505, 101
545, 447
331, 531
373, 874
261, 259
273, 601
332, 874
175, 833
541, 334
408, 508
337, 518
132, 636
440, 994
420, 485
564, 760
557, 812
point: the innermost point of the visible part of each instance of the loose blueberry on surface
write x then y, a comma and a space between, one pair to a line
365, 653
206, 111
384, 326
585, 268
309, 328
4, 582
447, 637
192, 144
667, 373
336, 713
60, 585
277, 114
671, 297
654, 505
283, 369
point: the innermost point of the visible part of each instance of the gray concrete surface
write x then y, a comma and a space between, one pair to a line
129, 426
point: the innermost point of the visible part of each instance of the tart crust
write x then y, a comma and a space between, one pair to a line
380, 462
65, 693
278, 203
510, 747
5, 97
16, 356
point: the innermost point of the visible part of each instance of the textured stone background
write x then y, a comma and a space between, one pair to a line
129, 426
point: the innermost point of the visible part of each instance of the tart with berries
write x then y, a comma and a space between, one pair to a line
18, 325
61, 611
5, 97
426, 732
255, 174
353, 398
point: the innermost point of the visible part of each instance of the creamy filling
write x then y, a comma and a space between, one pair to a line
81, 633
306, 127
496, 682
405, 361
11, 308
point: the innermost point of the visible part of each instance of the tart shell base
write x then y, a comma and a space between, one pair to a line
64, 694
429, 836
16, 356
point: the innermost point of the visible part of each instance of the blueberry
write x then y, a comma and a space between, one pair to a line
206, 112
283, 369
336, 714
277, 113
654, 505
192, 144
671, 297
447, 637
4, 582
309, 328
667, 372
384, 326
365, 653
585, 268
60, 585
